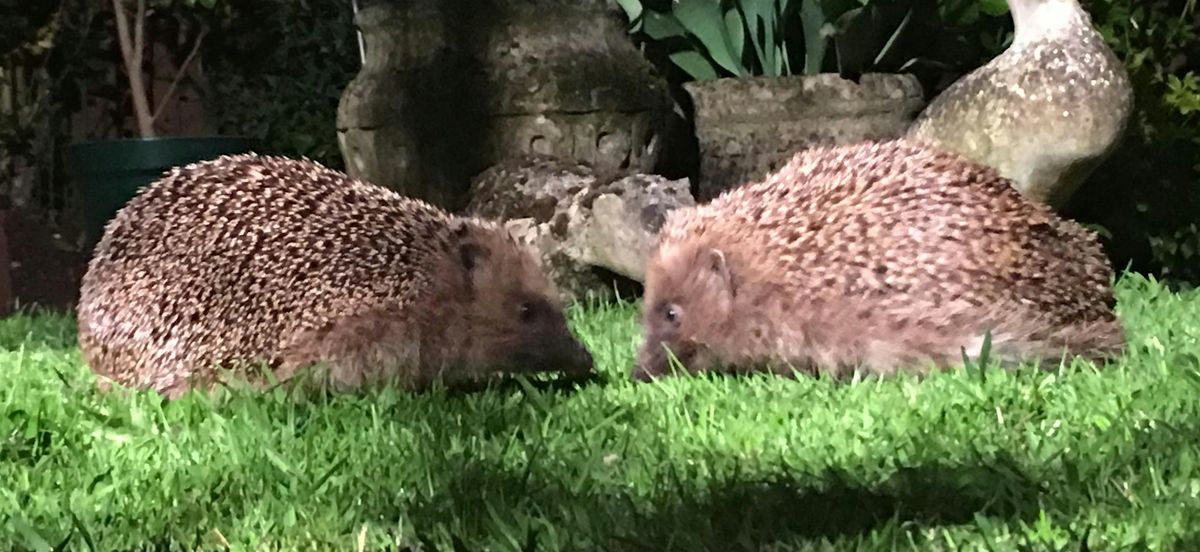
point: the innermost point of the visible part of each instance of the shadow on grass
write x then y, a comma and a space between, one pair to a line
490, 473
752, 514
734, 514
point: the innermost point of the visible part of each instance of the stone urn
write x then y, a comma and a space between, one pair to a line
404, 122
748, 127
452, 87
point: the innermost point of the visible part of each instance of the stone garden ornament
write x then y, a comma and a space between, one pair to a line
1046, 112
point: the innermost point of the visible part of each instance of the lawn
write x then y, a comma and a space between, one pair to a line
968, 459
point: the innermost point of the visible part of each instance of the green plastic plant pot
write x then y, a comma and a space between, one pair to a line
109, 173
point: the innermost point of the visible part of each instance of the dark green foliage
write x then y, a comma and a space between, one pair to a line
1145, 199
59, 66
711, 39
1147, 196
275, 71
21, 19
87, 67
272, 69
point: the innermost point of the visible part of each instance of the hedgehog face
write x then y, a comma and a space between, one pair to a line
688, 302
542, 341
515, 324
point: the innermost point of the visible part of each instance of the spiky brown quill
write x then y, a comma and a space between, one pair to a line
247, 261
882, 256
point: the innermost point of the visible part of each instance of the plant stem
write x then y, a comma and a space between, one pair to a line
132, 51
183, 67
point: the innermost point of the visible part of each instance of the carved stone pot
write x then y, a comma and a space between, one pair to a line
452, 87
748, 127
403, 122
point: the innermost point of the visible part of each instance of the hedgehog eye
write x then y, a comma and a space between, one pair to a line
673, 313
527, 312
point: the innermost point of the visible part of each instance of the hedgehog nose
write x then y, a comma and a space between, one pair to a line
642, 374
646, 365
582, 358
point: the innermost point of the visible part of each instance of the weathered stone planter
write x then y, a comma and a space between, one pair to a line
451, 87
569, 83
402, 122
747, 127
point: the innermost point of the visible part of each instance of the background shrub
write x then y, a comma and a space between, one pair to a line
1145, 199
274, 70
1147, 195
286, 92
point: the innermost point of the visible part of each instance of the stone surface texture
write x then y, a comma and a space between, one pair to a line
749, 127
1045, 112
403, 122
451, 87
579, 218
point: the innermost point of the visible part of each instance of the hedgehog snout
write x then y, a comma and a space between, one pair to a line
642, 374
556, 349
570, 355
580, 359
567, 351
654, 360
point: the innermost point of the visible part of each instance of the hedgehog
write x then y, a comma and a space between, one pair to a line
873, 258
267, 267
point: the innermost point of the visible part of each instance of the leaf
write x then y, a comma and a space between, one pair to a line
278, 461
1187, 463
891, 41
659, 26
33, 540
79, 526
694, 64
761, 19
703, 19
852, 40
812, 20
633, 9
985, 355
736, 31
993, 7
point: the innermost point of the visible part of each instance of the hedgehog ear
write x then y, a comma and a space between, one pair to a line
460, 228
718, 266
471, 255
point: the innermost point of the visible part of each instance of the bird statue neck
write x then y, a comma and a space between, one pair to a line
1041, 19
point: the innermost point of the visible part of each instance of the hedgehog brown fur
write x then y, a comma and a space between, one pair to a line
880, 255
248, 260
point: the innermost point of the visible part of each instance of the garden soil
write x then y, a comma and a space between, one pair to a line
46, 266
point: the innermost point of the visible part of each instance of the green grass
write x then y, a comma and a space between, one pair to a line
962, 460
